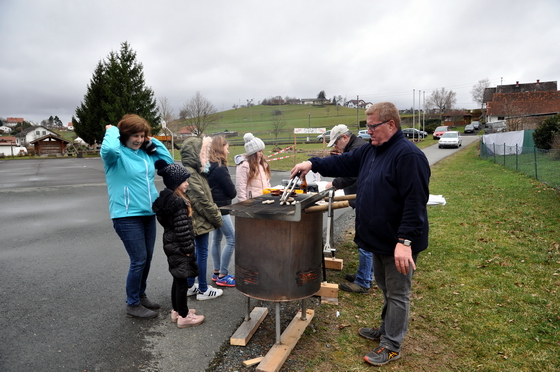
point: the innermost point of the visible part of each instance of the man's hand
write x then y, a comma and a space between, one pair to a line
403, 259
304, 168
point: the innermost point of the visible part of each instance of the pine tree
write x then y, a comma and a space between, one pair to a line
117, 88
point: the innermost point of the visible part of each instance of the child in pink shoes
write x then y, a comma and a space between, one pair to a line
173, 211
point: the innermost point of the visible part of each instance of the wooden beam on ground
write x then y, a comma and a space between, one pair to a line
252, 362
278, 354
334, 263
246, 330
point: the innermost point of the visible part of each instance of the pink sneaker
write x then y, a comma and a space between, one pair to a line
175, 315
191, 320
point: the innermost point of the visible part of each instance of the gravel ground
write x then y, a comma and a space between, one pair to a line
231, 358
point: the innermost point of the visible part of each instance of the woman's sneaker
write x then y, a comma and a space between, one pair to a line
210, 293
215, 277
191, 320
193, 290
175, 315
226, 281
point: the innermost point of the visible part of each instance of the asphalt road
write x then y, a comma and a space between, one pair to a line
62, 277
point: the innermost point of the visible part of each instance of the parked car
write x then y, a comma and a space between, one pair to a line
364, 134
476, 125
440, 130
469, 128
450, 138
414, 133
327, 133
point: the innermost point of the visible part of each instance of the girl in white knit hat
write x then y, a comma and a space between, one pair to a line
253, 172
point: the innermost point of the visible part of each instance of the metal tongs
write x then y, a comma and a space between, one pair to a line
290, 186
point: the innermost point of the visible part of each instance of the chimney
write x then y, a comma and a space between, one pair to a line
517, 83
538, 81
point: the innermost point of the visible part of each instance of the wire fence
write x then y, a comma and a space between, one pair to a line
543, 165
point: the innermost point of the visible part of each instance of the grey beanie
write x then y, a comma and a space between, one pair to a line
252, 144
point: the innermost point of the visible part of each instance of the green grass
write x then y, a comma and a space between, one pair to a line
485, 295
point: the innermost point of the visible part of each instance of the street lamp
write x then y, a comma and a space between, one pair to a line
164, 126
249, 103
309, 126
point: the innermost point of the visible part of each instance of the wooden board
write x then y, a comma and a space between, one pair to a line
278, 354
246, 330
334, 263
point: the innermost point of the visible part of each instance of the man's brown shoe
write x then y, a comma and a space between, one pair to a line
352, 287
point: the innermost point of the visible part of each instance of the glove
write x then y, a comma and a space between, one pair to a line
149, 147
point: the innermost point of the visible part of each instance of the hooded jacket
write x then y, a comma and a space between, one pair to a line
178, 234
130, 175
393, 180
194, 156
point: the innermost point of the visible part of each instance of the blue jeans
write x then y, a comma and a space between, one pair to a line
201, 245
365, 269
396, 300
138, 235
221, 260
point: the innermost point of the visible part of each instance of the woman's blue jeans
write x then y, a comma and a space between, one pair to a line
201, 245
138, 235
221, 257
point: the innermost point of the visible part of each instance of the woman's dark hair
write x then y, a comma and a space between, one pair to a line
131, 124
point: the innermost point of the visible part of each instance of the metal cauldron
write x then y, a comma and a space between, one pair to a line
279, 260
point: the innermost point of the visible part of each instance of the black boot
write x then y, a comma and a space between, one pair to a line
140, 311
144, 301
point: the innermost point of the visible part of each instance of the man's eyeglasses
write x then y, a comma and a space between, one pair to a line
373, 126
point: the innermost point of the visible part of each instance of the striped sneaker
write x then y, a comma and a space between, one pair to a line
210, 293
381, 356
226, 281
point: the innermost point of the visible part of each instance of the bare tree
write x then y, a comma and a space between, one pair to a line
198, 113
278, 124
168, 115
477, 91
442, 100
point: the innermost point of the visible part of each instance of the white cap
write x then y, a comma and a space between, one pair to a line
336, 132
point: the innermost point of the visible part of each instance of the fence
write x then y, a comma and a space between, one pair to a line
543, 165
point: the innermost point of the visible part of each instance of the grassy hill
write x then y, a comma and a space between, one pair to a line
258, 119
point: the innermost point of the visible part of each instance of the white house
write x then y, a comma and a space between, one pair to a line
32, 133
5, 129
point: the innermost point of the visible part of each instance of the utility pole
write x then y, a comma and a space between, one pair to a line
358, 112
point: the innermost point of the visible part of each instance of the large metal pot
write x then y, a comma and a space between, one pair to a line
278, 260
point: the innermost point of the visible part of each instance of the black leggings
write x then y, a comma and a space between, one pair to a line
179, 296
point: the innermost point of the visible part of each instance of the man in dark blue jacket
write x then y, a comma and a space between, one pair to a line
391, 217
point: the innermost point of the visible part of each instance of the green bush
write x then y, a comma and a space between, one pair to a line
544, 134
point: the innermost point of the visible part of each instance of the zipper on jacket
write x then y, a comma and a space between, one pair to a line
126, 198
148, 181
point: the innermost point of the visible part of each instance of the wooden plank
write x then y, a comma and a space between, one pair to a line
278, 354
328, 290
252, 362
334, 263
328, 293
246, 330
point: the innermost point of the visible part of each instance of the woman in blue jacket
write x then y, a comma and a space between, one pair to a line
128, 155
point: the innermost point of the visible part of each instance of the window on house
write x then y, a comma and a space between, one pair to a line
501, 118
44, 133
37, 132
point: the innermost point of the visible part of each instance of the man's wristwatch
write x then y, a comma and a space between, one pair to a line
405, 242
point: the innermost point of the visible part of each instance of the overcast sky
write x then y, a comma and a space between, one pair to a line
232, 51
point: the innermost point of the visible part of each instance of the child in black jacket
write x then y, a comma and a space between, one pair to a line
174, 212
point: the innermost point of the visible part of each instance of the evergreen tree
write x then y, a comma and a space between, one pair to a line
117, 88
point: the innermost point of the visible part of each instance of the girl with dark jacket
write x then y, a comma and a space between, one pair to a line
223, 191
174, 213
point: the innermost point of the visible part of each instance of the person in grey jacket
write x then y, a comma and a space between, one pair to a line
391, 217
206, 215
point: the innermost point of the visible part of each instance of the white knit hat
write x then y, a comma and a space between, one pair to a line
252, 144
